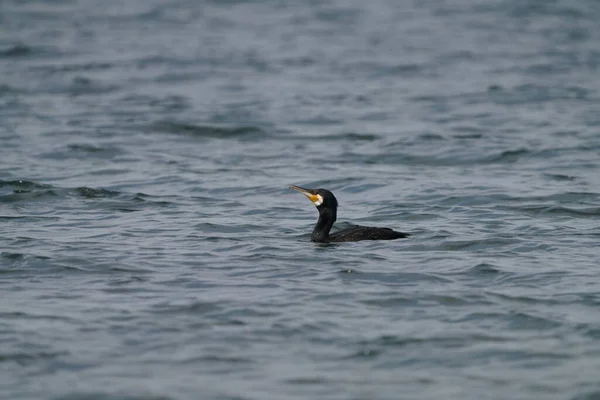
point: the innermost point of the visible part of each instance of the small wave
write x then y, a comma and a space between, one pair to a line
395, 278
429, 137
78, 395
148, 200
560, 177
27, 218
316, 380
528, 9
484, 269
560, 197
217, 359
593, 395
364, 353
385, 341
350, 136
6, 89
14, 262
559, 210
25, 190
17, 50
28, 316
460, 245
20, 256
32, 191
223, 228
94, 193
412, 159
64, 68
81, 85
363, 187
527, 94
531, 299
23, 185
91, 149
84, 151
208, 131
196, 307
467, 132
23, 358
507, 156
166, 102
525, 321
383, 69
88, 148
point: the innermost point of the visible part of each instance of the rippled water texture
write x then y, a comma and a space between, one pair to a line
150, 247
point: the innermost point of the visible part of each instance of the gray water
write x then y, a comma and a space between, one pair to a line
150, 247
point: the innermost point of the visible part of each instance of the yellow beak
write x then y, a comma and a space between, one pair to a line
307, 192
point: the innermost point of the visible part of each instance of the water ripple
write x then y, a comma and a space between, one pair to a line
148, 239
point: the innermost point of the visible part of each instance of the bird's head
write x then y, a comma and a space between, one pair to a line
321, 198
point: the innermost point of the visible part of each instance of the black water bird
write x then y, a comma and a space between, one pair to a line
327, 205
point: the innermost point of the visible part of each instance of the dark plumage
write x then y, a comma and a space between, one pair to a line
327, 205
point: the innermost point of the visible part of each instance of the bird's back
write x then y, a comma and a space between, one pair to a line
357, 233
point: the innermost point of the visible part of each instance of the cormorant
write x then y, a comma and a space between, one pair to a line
327, 205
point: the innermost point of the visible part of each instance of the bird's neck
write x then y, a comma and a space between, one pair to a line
326, 219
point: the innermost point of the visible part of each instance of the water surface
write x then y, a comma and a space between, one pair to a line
150, 247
